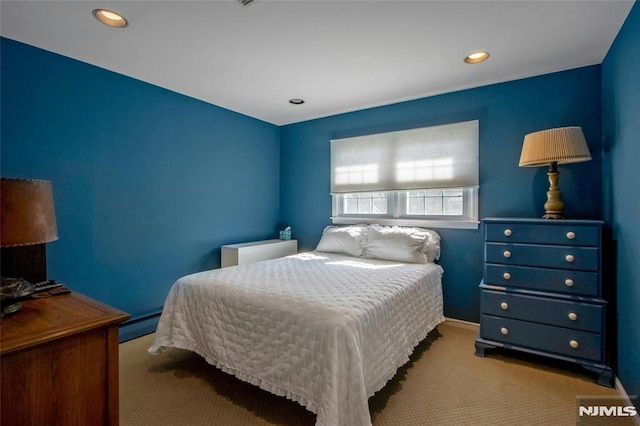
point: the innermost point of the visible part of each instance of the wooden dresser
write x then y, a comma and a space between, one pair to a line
59, 362
542, 291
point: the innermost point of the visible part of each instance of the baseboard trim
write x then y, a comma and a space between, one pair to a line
622, 393
139, 327
462, 324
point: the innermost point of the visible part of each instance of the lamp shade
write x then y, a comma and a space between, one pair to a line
560, 145
27, 213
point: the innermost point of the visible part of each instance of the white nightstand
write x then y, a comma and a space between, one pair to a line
256, 251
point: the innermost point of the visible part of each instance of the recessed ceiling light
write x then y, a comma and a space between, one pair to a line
296, 101
110, 18
476, 57
245, 3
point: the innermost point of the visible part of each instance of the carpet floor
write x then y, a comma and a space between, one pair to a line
444, 383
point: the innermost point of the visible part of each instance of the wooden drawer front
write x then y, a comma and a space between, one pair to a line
571, 235
63, 382
579, 316
539, 279
542, 337
578, 258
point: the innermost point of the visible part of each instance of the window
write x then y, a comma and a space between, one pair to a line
369, 203
438, 202
426, 176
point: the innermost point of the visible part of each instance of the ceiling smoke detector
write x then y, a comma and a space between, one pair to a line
245, 3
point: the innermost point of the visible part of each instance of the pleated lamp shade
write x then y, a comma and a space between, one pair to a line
27, 215
561, 145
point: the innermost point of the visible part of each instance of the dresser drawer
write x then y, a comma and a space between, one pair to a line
562, 313
562, 341
563, 257
539, 233
563, 281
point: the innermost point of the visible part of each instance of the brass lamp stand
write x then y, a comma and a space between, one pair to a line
554, 205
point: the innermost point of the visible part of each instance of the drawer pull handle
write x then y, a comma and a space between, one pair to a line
571, 235
507, 232
504, 330
506, 276
506, 253
568, 282
573, 316
504, 306
574, 344
569, 258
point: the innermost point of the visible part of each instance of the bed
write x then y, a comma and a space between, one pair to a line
326, 329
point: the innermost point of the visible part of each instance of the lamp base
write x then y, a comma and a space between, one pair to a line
28, 262
9, 309
554, 206
11, 290
553, 216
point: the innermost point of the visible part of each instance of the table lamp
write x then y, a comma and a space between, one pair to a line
552, 147
28, 222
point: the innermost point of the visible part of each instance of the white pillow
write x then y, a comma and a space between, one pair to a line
343, 239
431, 245
396, 243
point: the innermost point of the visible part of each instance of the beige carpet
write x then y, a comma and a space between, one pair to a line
443, 384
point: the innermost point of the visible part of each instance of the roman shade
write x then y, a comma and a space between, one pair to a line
444, 156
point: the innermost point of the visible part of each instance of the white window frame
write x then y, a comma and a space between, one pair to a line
396, 201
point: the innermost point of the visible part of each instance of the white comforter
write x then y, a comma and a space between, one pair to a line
324, 330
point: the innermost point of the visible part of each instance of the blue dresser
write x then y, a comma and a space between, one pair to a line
542, 291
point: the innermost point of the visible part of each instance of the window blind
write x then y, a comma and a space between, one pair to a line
444, 156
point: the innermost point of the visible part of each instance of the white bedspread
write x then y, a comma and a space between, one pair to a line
324, 330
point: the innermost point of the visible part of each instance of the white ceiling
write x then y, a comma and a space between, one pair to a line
338, 56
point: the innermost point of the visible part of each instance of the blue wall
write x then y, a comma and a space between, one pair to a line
506, 112
148, 184
621, 127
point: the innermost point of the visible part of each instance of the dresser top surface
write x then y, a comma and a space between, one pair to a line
43, 320
551, 222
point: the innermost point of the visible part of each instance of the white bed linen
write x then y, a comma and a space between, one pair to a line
322, 329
